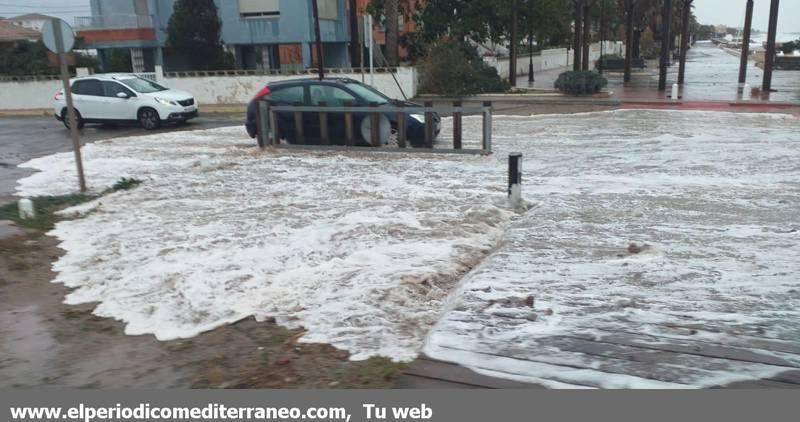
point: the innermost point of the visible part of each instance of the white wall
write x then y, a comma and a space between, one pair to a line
211, 90
240, 89
28, 94
554, 59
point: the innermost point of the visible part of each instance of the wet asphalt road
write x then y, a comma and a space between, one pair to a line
25, 138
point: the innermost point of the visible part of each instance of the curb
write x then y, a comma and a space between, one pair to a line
46, 112
34, 112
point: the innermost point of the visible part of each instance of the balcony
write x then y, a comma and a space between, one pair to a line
107, 22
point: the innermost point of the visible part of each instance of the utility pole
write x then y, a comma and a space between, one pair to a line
769, 61
748, 23
320, 54
512, 64
666, 34
355, 41
687, 13
576, 45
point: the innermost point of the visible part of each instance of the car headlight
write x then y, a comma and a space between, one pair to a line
418, 117
166, 101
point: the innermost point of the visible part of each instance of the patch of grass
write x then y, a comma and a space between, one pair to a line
383, 369
125, 184
47, 206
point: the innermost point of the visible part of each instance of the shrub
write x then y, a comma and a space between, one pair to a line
647, 45
452, 67
580, 83
790, 47
607, 58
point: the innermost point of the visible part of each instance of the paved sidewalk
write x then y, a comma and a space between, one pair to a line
711, 75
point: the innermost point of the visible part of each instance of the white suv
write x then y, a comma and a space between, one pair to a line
124, 98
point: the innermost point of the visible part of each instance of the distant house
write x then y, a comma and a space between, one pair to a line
34, 21
273, 34
11, 34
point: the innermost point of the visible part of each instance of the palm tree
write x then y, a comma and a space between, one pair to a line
392, 11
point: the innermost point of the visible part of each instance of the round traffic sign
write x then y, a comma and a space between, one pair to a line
49, 36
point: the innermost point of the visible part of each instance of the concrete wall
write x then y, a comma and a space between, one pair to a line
554, 59
240, 89
210, 90
28, 94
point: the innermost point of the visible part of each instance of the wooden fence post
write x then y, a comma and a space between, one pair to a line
262, 127
402, 128
348, 126
323, 125
374, 126
276, 134
299, 134
457, 135
487, 127
428, 125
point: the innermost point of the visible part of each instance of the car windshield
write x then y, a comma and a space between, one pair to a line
368, 93
142, 85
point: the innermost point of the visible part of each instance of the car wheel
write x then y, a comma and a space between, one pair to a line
65, 118
149, 119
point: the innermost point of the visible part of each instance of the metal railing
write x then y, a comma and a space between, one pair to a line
99, 22
150, 76
261, 72
269, 131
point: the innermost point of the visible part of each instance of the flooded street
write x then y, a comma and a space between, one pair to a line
712, 74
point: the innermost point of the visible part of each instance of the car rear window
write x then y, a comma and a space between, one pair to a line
288, 95
88, 87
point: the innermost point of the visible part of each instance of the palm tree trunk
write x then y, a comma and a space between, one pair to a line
392, 31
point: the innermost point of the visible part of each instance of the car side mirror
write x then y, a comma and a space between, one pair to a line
122, 95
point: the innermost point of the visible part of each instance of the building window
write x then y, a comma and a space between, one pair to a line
328, 9
259, 8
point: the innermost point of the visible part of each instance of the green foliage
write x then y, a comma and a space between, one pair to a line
583, 82
118, 60
479, 20
194, 28
791, 46
607, 58
705, 32
25, 58
47, 206
453, 67
647, 45
84, 60
125, 184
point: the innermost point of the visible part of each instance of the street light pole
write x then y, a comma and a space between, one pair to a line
530, 51
320, 54
602, 34
512, 63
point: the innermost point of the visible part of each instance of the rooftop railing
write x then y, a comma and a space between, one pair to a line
100, 22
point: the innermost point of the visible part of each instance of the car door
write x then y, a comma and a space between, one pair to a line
88, 98
331, 96
287, 96
118, 108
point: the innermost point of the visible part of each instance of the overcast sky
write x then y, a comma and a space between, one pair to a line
726, 12
731, 13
